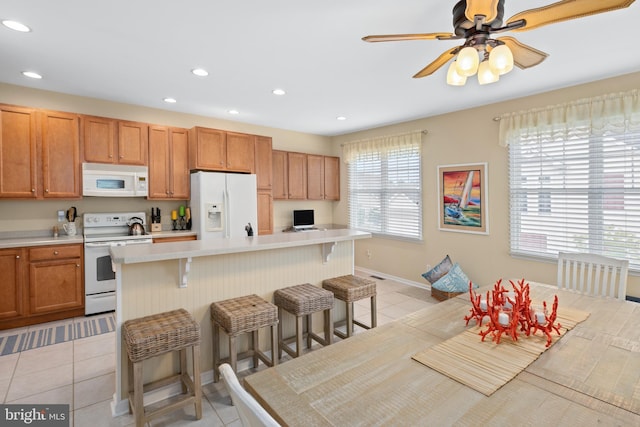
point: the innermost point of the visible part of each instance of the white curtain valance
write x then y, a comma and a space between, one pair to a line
619, 112
383, 144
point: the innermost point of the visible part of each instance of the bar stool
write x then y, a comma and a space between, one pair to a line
352, 288
154, 335
302, 301
237, 316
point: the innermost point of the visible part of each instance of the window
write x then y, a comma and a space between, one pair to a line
576, 190
385, 189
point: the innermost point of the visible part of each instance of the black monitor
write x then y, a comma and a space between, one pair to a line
303, 219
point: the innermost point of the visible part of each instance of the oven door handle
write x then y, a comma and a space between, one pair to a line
97, 244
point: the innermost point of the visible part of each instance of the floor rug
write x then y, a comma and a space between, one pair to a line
36, 336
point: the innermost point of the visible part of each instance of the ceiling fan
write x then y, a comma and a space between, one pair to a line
476, 21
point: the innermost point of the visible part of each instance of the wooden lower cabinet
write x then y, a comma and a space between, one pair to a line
44, 283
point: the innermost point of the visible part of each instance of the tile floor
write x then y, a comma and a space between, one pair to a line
81, 373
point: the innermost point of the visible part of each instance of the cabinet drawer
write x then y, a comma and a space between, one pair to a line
55, 252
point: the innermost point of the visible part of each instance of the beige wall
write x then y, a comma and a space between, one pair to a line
467, 136
41, 215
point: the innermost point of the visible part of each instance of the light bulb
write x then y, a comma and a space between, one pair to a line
486, 74
467, 62
501, 59
453, 78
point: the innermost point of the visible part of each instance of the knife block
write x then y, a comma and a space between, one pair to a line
156, 227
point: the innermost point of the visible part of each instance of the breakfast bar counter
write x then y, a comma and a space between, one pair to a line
157, 278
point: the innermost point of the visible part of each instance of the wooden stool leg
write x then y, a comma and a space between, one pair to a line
130, 377
374, 312
328, 327
349, 319
216, 352
138, 391
309, 328
233, 354
183, 368
255, 346
197, 384
274, 346
280, 336
299, 333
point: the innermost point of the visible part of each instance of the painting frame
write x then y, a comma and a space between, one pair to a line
458, 186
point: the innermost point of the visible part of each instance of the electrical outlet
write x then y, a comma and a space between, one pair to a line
428, 267
60, 216
369, 253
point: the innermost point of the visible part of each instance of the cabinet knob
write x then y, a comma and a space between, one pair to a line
78, 265
33, 190
17, 256
111, 156
46, 190
121, 156
55, 252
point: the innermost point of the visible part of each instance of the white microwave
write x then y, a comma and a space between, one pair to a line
105, 180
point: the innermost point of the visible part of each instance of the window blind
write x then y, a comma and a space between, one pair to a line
385, 191
576, 192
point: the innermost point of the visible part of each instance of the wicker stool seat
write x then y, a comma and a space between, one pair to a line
352, 288
302, 301
235, 316
152, 336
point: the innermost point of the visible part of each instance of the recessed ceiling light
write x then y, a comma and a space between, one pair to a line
341, 118
31, 74
278, 92
16, 26
170, 100
234, 112
201, 72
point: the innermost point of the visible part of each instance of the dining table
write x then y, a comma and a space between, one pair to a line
590, 375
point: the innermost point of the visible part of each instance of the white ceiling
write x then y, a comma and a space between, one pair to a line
141, 51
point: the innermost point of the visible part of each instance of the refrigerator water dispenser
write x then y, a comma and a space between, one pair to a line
214, 217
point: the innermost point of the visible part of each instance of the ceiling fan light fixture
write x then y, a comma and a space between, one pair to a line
467, 62
486, 74
453, 78
501, 59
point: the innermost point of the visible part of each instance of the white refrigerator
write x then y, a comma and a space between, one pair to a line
223, 205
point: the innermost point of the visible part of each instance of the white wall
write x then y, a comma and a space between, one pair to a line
468, 136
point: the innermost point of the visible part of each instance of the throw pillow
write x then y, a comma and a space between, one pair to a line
454, 281
439, 270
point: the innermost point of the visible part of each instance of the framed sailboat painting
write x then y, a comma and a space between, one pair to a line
463, 200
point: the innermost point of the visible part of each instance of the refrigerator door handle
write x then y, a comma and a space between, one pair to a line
227, 220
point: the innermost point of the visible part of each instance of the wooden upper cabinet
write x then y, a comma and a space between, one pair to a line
264, 163
60, 155
297, 175
331, 178
315, 177
107, 140
168, 163
265, 212
240, 152
280, 176
207, 149
18, 152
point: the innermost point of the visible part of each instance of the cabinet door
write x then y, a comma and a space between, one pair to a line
240, 152
159, 171
280, 175
99, 136
60, 155
265, 212
297, 175
11, 288
208, 149
179, 165
18, 152
133, 140
264, 163
315, 177
55, 285
331, 178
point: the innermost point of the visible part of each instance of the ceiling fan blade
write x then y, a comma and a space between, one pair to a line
400, 37
489, 9
439, 62
566, 10
523, 56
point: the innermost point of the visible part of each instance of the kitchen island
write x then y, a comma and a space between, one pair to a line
191, 275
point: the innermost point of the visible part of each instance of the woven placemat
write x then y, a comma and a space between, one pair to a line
486, 366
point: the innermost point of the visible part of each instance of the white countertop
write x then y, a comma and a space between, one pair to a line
17, 242
199, 248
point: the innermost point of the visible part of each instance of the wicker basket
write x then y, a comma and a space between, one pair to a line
443, 295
